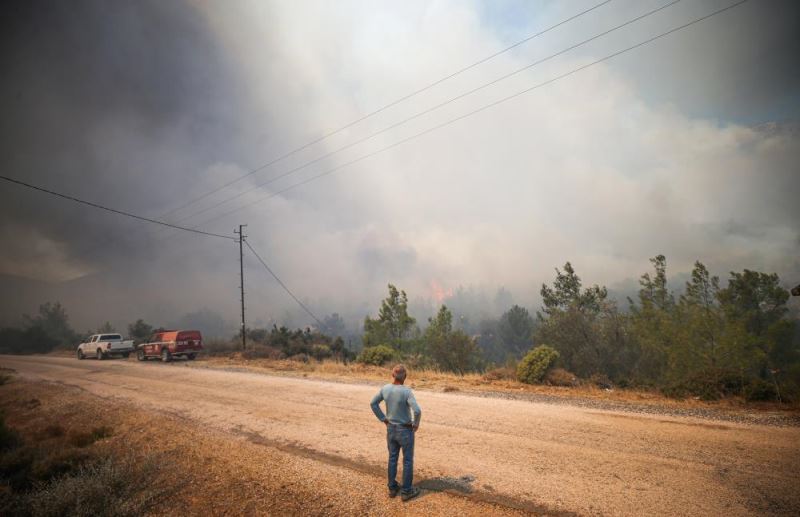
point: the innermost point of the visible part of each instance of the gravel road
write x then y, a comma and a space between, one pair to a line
543, 458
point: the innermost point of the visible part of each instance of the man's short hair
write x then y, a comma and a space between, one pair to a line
399, 372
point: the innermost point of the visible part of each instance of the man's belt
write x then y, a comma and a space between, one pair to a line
407, 426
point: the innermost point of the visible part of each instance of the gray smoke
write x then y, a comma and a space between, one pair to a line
687, 147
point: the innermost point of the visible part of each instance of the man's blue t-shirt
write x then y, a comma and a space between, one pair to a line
400, 402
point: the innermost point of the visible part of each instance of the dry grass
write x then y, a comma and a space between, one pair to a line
499, 380
57, 461
561, 377
86, 438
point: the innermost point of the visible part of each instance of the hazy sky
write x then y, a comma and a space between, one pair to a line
688, 147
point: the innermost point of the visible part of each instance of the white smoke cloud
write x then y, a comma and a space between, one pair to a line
587, 169
605, 168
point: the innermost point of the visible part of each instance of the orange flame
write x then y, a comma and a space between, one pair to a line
439, 293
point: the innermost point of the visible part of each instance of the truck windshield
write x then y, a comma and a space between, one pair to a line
110, 337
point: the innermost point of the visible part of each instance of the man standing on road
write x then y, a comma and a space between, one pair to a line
400, 430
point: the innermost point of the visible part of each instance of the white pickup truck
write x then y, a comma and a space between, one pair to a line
102, 346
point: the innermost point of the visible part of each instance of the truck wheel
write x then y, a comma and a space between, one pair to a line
165, 355
126, 354
191, 356
80, 354
140, 355
100, 355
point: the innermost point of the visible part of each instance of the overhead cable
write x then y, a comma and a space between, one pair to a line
280, 282
114, 210
427, 111
383, 108
471, 113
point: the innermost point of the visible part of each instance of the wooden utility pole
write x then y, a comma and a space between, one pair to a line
241, 235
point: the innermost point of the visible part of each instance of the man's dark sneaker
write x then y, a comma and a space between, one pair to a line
393, 492
406, 496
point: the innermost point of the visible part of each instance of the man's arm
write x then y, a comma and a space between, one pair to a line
376, 408
412, 403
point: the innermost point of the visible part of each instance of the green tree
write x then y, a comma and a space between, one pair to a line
38, 340
653, 324
453, 350
393, 324
279, 337
714, 353
12, 340
654, 291
757, 302
105, 328
755, 298
256, 335
582, 325
140, 331
489, 341
701, 324
333, 325
338, 349
515, 330
566, 293
51, 325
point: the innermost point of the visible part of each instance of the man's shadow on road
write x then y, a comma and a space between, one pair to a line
461, 484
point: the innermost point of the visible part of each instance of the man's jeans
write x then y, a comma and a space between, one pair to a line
400, 437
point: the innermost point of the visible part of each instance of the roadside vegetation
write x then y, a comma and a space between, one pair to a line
52, 469
708, 341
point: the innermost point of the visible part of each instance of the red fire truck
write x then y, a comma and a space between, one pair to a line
167, 344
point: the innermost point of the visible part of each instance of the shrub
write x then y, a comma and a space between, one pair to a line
262, 352
16, 466
377, 355
708, 384
84, 439
533, 367
601, 380
109, 487
212, 347
80, 438
9, 438
54, 478
561, 377
320, 352
505, 373
104, 431
51, 431
419, 362
760, 390
31, 403
57, 462
300, 358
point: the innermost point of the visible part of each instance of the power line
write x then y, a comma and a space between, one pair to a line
473, 112
239, 239
364, 117
383, 108
429, 110
114, 210
301, 304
